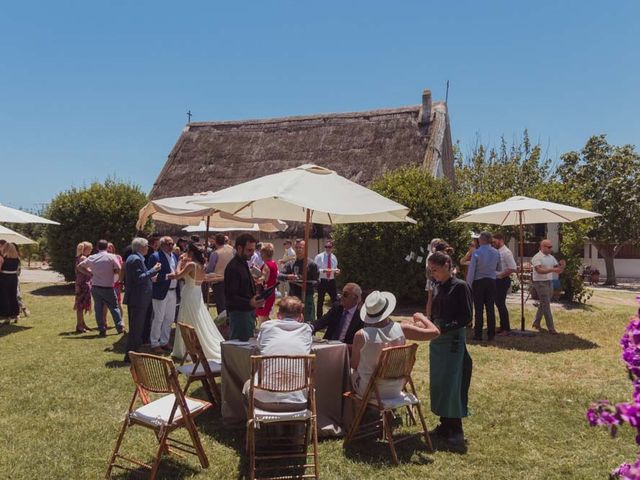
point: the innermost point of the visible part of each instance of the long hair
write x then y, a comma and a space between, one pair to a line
196, 253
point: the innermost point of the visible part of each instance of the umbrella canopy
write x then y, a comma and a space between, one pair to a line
13, 215
289, 195
524, 210
14, 237
178, 211
267, 226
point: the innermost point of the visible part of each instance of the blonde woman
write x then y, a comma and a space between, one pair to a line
9, 264
83, 288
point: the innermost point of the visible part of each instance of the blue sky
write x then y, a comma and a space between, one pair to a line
92, 89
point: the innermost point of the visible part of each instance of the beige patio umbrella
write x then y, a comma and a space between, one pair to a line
13, 215
267, 227
178, 211
308, 193
521, 211
14, 237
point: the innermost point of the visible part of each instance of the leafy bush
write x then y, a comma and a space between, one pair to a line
373, 254
108, 211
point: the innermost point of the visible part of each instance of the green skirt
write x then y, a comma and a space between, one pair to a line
450, 374
242, 325
309, 309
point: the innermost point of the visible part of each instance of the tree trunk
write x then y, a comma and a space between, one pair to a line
609, 252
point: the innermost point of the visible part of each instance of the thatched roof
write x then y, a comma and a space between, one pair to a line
359, 146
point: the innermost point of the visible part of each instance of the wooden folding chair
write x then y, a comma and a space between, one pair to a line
283, 374
201, 368
157, 375
396, 363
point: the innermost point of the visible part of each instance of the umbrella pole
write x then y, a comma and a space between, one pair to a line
307, 225
206, 235
521, 274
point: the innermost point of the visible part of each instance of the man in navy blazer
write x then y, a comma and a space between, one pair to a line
342, 321
137, 293
165, 295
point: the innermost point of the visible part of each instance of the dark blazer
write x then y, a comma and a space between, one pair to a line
239, 287
137, 281
161, 285
331, 321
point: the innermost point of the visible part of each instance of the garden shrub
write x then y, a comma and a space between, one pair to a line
108, 210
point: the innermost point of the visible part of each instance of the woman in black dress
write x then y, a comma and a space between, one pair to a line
9, 263
449, 361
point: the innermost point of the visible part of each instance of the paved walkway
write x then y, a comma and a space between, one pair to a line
38, 275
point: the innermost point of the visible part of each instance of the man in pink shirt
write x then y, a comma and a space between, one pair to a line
101, 267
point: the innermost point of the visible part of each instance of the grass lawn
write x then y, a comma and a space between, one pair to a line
63, 396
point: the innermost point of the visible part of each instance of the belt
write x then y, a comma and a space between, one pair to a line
100, 286
173, 288
9, 273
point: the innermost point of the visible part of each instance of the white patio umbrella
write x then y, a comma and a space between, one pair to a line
308, 193
521, 211
178, 211
267, 226
14, 237
13, 215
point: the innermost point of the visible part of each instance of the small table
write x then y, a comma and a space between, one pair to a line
332, 379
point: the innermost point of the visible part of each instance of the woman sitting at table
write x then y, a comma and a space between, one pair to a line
379, 332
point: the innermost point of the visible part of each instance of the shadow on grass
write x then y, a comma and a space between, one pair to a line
542, 342
120, 345
56, 290
6, 329
411, 451
170, 468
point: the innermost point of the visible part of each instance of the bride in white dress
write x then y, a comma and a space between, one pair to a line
192, 310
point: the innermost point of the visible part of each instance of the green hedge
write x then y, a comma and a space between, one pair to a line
373, 254
108, 211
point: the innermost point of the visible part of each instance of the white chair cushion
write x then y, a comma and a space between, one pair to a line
402, 400
186, 369
157, 412
265, 416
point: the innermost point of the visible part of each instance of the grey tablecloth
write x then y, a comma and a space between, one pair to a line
331, 379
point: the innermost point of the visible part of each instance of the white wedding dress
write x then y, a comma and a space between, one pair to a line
194, 312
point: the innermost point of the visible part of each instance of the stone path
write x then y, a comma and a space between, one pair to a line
37, 275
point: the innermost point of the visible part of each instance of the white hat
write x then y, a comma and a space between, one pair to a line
377, 306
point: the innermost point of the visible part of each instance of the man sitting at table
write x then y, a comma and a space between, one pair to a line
343, 320
287, 335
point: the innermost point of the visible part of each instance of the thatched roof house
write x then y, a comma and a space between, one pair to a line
359, 146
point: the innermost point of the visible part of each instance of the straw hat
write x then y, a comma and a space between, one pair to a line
377, 306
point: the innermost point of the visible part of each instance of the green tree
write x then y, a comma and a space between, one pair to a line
607, 176
489, 175
106, 210
373, 255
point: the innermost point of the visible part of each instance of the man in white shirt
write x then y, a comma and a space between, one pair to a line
288, 335
503, 282
544, 266
328, 265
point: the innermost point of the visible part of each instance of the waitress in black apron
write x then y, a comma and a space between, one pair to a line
449, 361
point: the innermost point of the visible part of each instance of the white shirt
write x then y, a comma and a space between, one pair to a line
347, 322
506, 259
256, 260
172, 264
284, 337
545, 261
322, 260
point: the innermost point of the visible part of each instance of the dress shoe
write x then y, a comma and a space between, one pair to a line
456, 440
103, 333
536, 326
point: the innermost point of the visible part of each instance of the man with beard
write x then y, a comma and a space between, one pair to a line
240, 290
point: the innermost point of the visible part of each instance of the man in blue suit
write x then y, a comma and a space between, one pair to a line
137, 293
165, 295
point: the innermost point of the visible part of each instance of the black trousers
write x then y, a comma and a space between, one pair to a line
502, 289
218, 295
484, 294
137, 316
326, 286
146, 328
